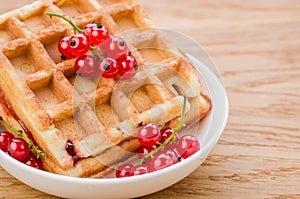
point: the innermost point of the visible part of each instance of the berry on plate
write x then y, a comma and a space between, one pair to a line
18, 149
114, 47
140, 170
33, 162
64, 48
85, 66
127, 67
96, 33
79, 45
5, 138
187, 146
124, 170
108, 67
148, 135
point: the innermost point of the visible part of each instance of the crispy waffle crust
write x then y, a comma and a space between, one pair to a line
41, 94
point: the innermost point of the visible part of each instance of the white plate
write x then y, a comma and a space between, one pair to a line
70, 187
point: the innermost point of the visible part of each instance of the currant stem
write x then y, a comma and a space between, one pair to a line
30, 143
96, 56
76, 28
94, 48
172, 137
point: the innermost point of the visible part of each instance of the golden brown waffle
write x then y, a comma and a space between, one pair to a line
98, 117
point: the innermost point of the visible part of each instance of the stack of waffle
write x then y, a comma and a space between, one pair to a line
86, 126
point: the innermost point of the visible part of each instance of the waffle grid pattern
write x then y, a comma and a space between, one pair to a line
57, 106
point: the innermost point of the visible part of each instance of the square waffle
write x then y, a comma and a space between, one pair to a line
96, 119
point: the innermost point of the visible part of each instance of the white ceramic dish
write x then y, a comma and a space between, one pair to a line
70, 187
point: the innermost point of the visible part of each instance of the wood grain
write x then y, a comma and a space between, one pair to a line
256, 46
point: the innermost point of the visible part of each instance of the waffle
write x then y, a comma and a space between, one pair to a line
97, 119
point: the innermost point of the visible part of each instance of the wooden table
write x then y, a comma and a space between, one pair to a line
256, 46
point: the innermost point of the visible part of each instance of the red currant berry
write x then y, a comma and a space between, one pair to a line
127, 67
88, 29
18, 149
124, 56
79, 45
108, 67
148, 135
173, 155
187, 146
114, 47
140, 170
160, 161
165, 134
64, 48
5, 138
124, 170
85, 66
143, 150
34, 162
96, 33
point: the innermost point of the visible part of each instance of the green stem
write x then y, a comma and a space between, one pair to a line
76, 28
93, 48
30, 143
169, 139
96, 55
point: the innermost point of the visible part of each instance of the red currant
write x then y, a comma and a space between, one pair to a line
187, 146
64, 48
85, 66
127, 67
88, 29
165, 134
161, 160
173, 155
140, 170
108, 67
148, 135
5, 138
79, 45
114, 47
124, 56
124, 170
18, 149
96, 33
143, 150
34, 162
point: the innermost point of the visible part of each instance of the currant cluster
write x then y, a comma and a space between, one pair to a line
160, 149
19, 149
97, 52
